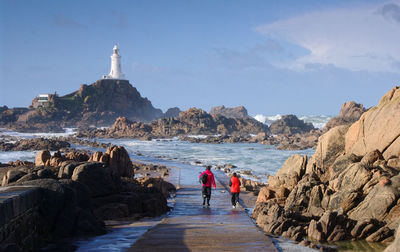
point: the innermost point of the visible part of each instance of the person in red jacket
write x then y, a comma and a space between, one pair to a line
235, 190
206, 191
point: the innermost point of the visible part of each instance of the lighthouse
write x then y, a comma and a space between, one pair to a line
116, 71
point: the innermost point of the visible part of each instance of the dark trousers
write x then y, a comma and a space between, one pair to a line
235, 198
206, 192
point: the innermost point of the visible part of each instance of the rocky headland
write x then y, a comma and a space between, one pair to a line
71, 194
191, 122
98, 104
348, 190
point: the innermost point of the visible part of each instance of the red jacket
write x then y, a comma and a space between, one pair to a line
235, 185
210, 178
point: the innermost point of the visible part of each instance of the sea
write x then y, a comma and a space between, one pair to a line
254, 161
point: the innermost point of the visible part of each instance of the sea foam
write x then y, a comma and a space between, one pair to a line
318, 121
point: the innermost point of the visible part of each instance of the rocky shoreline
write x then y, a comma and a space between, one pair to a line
78, 193
348, 190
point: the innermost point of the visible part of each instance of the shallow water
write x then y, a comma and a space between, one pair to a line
262, 160
355, 246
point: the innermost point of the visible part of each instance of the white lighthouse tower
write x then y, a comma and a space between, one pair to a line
116, 71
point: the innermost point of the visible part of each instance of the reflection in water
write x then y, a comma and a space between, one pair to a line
120, 237
364, 246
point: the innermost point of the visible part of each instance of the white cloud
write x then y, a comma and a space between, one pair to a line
362, 38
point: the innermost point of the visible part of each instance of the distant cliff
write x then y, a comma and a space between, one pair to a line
98, 104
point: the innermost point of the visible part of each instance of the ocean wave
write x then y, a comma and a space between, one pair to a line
68, 132
318, 121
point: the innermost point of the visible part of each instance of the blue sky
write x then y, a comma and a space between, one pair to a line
273, 57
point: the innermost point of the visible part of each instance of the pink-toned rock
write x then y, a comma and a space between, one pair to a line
371, 157
77, 156
120, 161
42, 157
290, 173
384, 181
378, 128
96, 157
394, 163
266, 193
330, 146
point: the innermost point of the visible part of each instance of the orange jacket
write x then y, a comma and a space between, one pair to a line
235, 185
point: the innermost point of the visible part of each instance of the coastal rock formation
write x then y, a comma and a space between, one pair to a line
172, 112
33, 144
75, 197
97, 104
347, 189
236, 112
349, 113
193, 121
290, 133
290, 124
378, 128
117, 158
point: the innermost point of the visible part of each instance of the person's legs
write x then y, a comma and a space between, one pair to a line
208, 195
237, 199
204, 194
233, 200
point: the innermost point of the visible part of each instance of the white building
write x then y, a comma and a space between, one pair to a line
41, 101
116, 70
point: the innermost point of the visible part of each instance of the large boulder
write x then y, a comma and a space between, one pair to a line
378, 202
117, 158
330, 146
98, 177
290, 173
42, 157
12, 176
378, 128
120, 161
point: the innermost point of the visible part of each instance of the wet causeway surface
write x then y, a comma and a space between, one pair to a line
191, 227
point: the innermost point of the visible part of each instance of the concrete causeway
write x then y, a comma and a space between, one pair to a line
190, 227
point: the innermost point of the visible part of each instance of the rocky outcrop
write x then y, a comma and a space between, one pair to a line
33, 144
349, 113
193, 121
97, 104
236, 112
394, 247
290, 133
348, 190
378, 128
290, 124
172, 112
76, 196
117, 158
42, 157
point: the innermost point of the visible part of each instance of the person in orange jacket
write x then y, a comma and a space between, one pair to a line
235, 190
